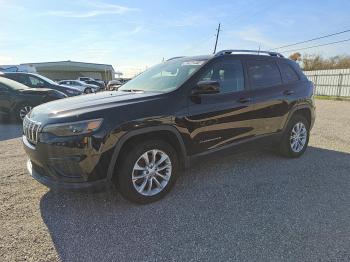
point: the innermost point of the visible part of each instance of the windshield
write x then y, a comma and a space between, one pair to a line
164, 77
46, 79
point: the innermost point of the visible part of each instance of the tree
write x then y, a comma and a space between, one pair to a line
317, 62
295, 57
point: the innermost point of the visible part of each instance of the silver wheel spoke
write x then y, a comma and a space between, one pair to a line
162, 159
162, 176
138, 167
139, 177
143, 185
145, 157
167, 165
157, 183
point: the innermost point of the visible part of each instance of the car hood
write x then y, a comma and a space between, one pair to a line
76, 106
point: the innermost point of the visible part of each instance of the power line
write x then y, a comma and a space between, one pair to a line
331, 43
313, 39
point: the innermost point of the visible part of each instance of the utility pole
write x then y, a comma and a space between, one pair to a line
217, 37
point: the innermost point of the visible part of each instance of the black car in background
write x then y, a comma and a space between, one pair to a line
17, 100
139, 136
39, 81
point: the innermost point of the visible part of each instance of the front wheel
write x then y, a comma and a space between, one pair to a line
88, 91
296, 137
148, 171
22, 111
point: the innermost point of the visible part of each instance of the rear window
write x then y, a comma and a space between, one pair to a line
288, 73
263, 74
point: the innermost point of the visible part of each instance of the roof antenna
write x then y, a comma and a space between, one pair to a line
217, 37
259, 50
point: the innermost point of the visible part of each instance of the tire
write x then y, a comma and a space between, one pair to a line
133, 181
291, 147
88, 91
22, 110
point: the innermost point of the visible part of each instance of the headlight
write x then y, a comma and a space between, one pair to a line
74, 128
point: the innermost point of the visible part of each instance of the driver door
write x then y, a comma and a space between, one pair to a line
218, 120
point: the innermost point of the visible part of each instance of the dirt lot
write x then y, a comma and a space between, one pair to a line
254, 206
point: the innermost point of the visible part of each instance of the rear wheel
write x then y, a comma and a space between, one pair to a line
296, 137
22, 111
148, 171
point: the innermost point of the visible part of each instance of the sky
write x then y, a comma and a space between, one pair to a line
133, 35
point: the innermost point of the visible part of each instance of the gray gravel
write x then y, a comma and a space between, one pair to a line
253, 206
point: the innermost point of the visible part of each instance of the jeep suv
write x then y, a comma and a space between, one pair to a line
139, 136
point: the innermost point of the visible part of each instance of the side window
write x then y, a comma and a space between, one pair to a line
263, 74
24, 79
288, 73
36, 82
229, 74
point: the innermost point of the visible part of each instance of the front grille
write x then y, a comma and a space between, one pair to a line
31, 130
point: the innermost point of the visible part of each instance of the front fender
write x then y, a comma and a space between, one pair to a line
145, 130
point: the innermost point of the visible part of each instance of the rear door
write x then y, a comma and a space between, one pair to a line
266, 83
218, 120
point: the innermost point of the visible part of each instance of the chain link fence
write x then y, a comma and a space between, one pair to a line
335, 82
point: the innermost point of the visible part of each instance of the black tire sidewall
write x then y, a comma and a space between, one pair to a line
285, 143
124, 181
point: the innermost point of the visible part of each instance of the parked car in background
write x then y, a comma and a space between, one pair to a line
39, 81
114, 85
179, 110
92, 81
17, 100
82, 86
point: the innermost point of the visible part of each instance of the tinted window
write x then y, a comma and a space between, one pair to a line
36, 82
229, 74
288, 73
263, 74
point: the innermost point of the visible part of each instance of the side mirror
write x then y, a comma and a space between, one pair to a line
206, 88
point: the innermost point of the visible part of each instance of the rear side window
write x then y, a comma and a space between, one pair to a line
288, 73
263, 74
229, 74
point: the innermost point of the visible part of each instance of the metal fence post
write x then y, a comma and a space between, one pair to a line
340, 83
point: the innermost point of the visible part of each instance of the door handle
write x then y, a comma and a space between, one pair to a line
244, 99
288, 92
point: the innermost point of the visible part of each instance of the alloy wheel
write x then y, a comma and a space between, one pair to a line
151, 172
23, 111
298, 137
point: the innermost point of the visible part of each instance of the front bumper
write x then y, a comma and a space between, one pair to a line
56, 184
67, 165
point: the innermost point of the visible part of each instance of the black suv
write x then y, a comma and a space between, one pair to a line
39, 81
139, 136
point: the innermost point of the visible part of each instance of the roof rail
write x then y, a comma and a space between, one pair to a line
175, 57
230, 51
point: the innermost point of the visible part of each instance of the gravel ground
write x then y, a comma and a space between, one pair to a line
254, 206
